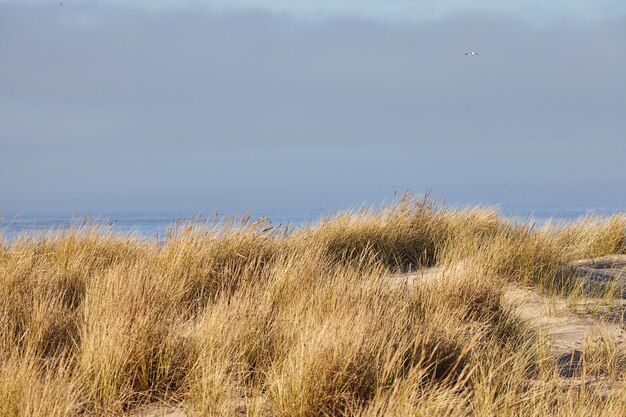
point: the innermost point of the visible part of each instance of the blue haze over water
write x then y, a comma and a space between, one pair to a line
302, 210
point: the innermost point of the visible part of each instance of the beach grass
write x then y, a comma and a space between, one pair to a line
248, 318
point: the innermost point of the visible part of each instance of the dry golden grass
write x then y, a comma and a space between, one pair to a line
246, 319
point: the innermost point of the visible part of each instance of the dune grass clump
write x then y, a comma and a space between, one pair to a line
245, 318
539, 256
402, 236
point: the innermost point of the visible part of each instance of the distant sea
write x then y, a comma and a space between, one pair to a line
153, 225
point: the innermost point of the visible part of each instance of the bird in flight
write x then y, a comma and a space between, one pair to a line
471, 53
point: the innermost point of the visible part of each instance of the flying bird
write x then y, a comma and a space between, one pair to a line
471, 53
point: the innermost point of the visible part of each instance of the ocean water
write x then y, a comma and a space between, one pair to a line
153, 225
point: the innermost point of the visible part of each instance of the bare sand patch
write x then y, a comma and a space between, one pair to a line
570, 324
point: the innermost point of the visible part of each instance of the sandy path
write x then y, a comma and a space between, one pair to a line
571, 325
567, 326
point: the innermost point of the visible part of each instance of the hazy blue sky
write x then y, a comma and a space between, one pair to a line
189, 106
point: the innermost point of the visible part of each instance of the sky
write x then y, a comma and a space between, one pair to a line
188, 106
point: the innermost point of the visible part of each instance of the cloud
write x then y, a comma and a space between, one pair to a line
104, 101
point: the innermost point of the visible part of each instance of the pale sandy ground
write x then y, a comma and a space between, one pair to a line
575, 324
568, 324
